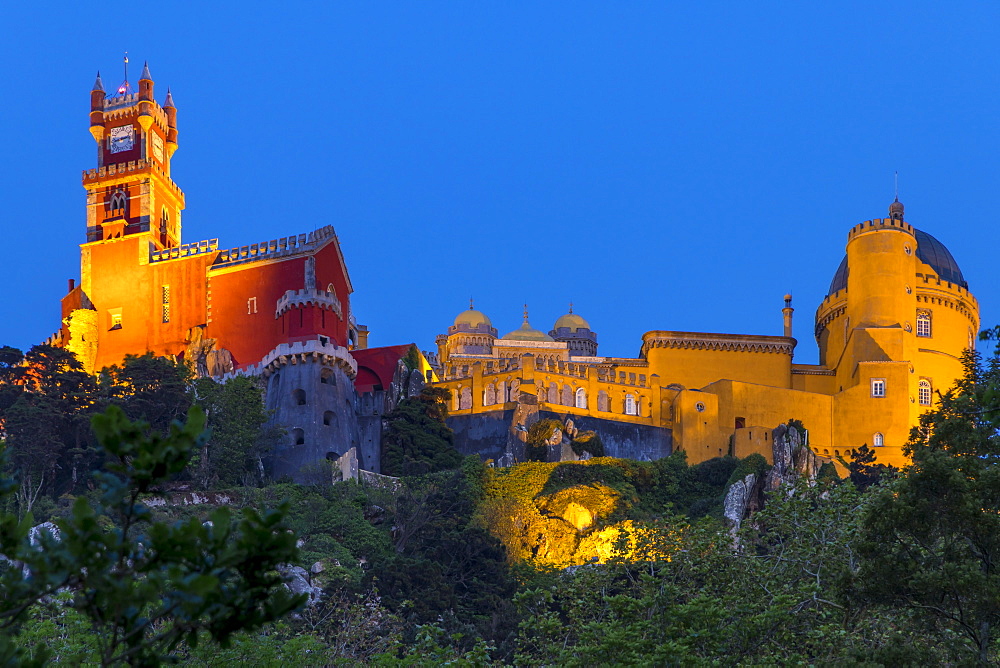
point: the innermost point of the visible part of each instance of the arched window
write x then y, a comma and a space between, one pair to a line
490, 395
924, 323
553, 393
298, 437
581, 398
118, 200
567, 396
630, 404
466, 398
299, 397
924, 392
328, 418
543, 394
877, 440
458, 398
502, 396
326, 377
603, 403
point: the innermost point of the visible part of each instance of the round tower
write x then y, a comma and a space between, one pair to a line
881, 261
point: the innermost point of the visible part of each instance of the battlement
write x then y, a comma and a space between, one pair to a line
308, 297
184, 250
91, 176
300, 352
275, 248
878, 225
120, 101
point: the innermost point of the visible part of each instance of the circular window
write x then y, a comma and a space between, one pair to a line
908, 290
907, 327
699, 407
907, 249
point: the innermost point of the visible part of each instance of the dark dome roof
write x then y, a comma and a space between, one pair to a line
929, 250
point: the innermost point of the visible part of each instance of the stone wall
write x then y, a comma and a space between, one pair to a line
492, 435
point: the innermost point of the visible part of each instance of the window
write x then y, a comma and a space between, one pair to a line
298, 437
924, 392
251, 305
877, 440
630, 404
115, 318
299, 397
924, 323
328, 418
118, 201
326, 377
878, 387
165, 302
581, 398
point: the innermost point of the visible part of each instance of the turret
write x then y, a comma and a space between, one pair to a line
97, 96
145, 99
171, 111
881, 261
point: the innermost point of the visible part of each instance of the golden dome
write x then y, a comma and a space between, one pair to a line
527, 333
572, 322
472, 318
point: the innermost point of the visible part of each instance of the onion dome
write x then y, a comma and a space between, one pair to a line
526, 332
896, 210
571, 321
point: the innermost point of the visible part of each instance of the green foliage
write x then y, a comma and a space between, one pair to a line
539, 434
239, 437
149, 388
417, 440
864, 471
144, 586
412, 358
589, 442
932, 537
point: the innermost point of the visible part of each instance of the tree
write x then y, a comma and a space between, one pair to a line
50, 400
864, 472
417, 440
239, 437
145, 586
932, 538
537, 440
149, 388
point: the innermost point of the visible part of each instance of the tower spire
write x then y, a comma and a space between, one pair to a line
169, 102
145, 71
525, 314
125, 88
98, 84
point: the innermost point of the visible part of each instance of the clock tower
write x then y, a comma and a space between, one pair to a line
131, 192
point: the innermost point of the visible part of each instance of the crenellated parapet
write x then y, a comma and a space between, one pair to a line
301, 352
878, 225
276, 248
184, 250
308, 297
130, 168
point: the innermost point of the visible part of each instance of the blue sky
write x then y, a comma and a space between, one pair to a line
662, 165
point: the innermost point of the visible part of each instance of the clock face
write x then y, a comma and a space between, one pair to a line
158, 147
122, 138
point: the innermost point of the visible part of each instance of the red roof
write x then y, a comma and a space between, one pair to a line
376, 366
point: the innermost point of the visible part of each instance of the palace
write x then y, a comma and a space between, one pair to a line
279, 309
891, 332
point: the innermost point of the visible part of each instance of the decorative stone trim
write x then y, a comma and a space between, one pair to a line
725, 342
301, 352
